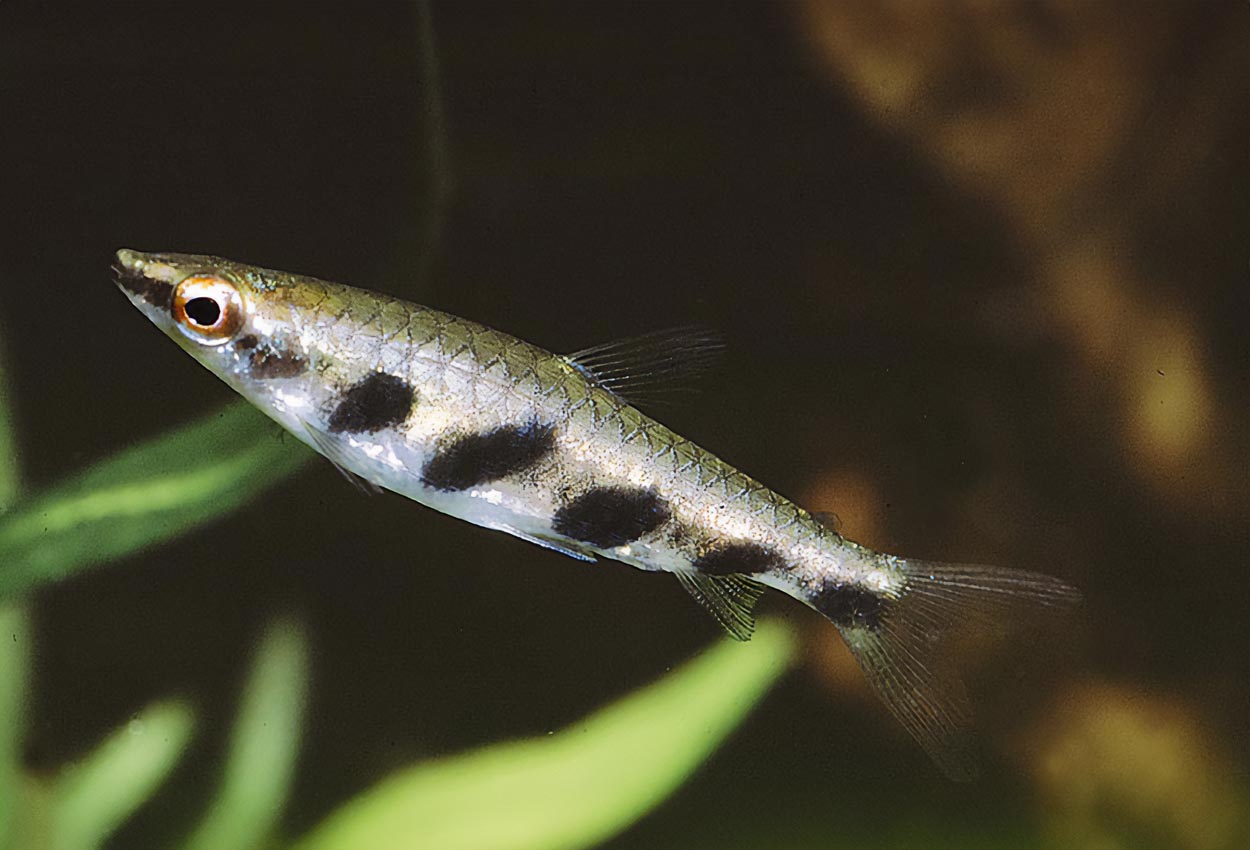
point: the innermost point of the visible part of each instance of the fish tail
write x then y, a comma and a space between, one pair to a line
901, 639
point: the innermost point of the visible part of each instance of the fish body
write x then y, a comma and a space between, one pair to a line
484, 426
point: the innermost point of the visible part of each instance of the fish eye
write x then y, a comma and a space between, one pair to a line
208, 309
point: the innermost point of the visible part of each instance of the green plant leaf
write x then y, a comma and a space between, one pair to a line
144, 495
9, 471
95, 796
574, 788
15, 637
263, 747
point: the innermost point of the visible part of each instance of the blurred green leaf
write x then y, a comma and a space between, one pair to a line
144, 495
574, 788
14, 645
15, 637
95, 796
9, 471
263, 747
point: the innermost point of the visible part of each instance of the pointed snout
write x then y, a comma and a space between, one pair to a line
130, 262
138, 275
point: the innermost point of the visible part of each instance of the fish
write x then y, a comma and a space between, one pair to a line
551, 448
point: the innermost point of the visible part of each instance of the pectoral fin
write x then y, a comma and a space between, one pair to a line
561, 545
333, 452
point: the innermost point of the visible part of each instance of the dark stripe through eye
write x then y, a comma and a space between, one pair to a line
157, 293
611, 516
475, 459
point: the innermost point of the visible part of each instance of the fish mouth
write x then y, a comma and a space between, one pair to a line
119, 273
128, 273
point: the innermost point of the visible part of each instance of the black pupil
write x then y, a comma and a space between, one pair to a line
203, 311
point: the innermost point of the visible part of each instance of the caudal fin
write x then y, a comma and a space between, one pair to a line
902, 643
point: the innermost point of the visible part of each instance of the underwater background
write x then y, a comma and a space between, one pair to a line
985, 274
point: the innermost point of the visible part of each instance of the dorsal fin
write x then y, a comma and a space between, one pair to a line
643, 367
730, 599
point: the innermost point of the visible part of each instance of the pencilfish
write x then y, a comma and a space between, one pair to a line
486, 427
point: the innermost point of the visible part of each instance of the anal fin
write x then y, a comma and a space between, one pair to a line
730, 599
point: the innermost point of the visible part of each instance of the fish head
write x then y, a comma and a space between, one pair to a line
239, 321
198, 298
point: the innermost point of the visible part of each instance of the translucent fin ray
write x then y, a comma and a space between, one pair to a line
332, 452
730, 599
908, 658
648, 366
561, 545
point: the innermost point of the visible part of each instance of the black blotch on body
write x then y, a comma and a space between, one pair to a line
246, 342
155, 292
371, 404
279, 363
611, 516
851, 606
745, 558
478, 458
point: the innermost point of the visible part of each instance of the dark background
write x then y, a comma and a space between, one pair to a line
985, 277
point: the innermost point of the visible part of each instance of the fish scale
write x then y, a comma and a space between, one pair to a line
489, 428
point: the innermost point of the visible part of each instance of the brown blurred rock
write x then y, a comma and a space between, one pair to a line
1118, 766
1079, 122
